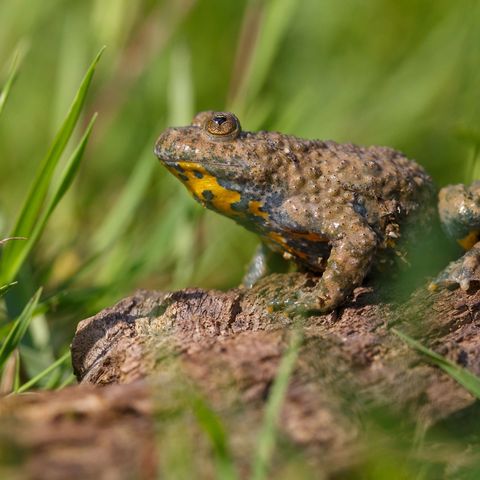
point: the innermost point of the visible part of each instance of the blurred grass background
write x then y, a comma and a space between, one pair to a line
399, 73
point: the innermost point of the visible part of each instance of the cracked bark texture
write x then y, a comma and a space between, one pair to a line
176, 351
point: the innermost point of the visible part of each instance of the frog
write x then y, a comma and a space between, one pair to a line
336, 210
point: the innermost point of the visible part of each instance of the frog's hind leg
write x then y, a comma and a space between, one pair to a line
351, 257
263, 262
459, 209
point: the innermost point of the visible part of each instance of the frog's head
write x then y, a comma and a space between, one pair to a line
226, 169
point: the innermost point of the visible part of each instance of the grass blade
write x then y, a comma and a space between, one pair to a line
27, 385
16, 382
69, 380
213, 427
18, 329
464, 377
5, 240
15, 262
276, 17
71, 168
10, 79
5, 288
38, 191
267, 436
125, 208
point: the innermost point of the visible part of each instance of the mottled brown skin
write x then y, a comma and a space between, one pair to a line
329, 207
459, 209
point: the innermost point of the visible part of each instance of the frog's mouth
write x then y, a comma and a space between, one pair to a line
171, 151
189, 165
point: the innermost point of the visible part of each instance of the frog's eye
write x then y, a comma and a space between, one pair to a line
222, 126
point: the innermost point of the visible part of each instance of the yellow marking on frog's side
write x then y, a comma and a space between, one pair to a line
280, 240
254, 207
222, 198
277, 238
470, 240
198, 180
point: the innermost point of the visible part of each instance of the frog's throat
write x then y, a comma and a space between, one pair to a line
206, 189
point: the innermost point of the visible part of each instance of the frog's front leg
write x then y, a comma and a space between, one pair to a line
350, 259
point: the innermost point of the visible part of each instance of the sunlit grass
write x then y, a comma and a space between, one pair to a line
17, 330
35, 213
41, 201
5, 90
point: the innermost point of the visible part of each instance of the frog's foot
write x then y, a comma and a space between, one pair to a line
305, 304
460, 273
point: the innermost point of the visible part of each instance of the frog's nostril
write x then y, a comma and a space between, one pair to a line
163, 144
159, 149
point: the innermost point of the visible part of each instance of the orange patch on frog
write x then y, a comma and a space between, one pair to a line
390, 243
310, 236
254, 207
470, 240
278, 239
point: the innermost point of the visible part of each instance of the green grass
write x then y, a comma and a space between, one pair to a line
36, 211
464, 377
267, 436
5, 91
213, 428
43, 197
37, 378
17, 330
97, 221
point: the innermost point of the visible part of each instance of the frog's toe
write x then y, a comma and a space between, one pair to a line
303, 305
461, 273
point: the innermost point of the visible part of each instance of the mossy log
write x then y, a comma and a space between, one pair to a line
157, 356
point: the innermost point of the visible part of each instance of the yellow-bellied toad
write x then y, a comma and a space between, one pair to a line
332, 208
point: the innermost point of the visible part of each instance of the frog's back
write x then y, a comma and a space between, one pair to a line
379, 171
380, 177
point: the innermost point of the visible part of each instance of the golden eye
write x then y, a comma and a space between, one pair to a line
223, 126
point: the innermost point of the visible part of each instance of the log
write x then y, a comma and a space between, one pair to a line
191, 351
